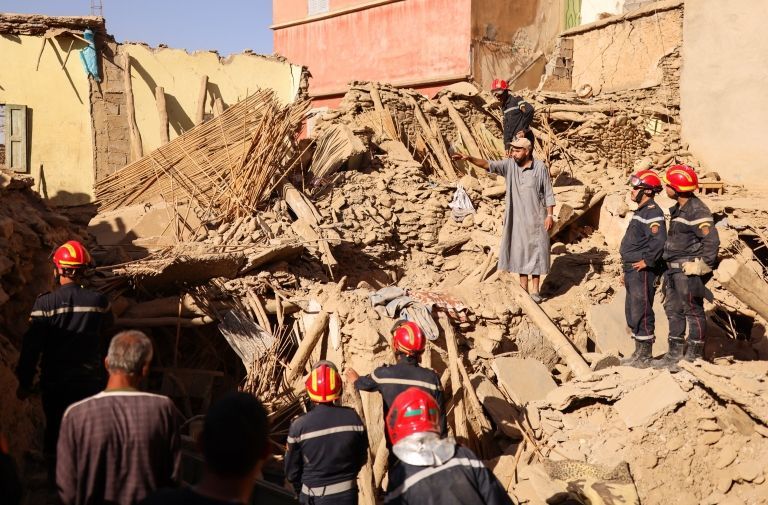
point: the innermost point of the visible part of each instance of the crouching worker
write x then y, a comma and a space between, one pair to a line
327, 446
641, 250
433, 470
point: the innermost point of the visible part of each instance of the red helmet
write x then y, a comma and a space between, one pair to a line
324, 382
499, 85
646, 179
681, 178
407, 338
413, 411
71, 256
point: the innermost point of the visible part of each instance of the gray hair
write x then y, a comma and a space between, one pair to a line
129, 352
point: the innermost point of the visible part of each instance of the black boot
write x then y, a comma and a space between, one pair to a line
694, 351
674, 354
632, 357
641, 358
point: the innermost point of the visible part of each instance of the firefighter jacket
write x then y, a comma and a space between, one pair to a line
66, 329
645, 236
462, 480
518, 115
391, 380
328, 445
692, 234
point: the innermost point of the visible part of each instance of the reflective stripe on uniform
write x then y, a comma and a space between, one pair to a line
405, 382
648, 221
321, 433
339, 487
694, 222
428, 472
67, 310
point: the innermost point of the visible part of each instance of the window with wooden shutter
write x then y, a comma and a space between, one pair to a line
16, 138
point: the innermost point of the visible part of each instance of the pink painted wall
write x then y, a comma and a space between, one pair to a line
284, 11
411, 40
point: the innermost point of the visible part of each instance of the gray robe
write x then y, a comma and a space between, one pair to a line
524, 241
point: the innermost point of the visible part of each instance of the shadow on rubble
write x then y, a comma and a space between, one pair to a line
359, 266
570, 270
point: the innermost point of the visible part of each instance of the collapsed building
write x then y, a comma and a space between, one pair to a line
248, 253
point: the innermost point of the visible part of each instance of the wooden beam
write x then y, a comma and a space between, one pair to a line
137, 151
459, 414
564, 347
201, 97
162, 113
745, 284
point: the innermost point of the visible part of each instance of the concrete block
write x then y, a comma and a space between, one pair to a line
523, 379
646, 402
612, 334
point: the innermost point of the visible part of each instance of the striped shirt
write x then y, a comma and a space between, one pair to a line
117, 447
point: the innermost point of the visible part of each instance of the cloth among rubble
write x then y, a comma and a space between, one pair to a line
396, 304
591, 484
461, 206
88, 56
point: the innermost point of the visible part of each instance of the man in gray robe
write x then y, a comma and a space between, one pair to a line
528, 217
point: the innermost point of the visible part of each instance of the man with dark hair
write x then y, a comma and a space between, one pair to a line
120, 445
235, 446
65, 336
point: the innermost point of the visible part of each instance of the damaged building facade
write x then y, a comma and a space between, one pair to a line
67, 130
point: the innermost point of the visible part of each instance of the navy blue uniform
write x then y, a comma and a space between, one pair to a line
66, 332
391, 380
462, 480
326, 449
692, 235
643, 240
518, 115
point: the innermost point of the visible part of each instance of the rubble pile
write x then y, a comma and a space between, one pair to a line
29, 232
370, 220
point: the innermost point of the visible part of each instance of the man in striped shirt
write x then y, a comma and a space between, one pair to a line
121, 444
327, 446
65, 335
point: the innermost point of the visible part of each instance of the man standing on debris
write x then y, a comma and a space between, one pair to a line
640, 251
691, 255
327, 446
121, 444
432, 469
66, 329
408, 343
518, 113
529, 214
235, 445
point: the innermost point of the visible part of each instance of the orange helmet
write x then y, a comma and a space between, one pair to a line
499, 85
324, 382
407, 338
413, 411
646, 179
71, 256
681, 178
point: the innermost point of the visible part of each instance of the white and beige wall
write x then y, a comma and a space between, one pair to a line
724, 104
180, 73
58, 115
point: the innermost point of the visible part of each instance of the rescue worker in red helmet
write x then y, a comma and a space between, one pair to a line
641, 250
327, 446
65, 335
408, 343
691, 254
433, 470
517, 113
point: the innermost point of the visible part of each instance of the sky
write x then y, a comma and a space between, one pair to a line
229, 26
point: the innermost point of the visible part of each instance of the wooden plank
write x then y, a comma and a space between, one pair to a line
134, 135
201, 97
162, 114
459, 415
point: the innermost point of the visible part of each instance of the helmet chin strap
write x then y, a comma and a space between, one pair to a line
639, 195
